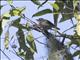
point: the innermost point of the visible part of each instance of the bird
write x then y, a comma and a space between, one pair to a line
45, 24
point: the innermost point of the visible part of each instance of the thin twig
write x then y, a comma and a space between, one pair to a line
16, 54
69, 28
74, 48
38, 37
28, 19
5, 54
72, 21
41, 43
69, 8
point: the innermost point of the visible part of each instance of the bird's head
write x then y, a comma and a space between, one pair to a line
40, 19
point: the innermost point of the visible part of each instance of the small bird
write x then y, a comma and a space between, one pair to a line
45, 24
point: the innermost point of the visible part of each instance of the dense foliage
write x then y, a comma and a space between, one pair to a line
68, 9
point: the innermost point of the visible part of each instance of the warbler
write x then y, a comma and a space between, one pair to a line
45, 24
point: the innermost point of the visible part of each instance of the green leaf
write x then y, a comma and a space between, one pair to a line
66, 15
76, 53
58, 6
1, 6
6, 16
28, 54
16, 11
27, 26
16, 22
55, 14
67, 12
10, 1
36, 2
31, 42
6, 41
75, 39
21, 40
68, 56
0, 26
75, 3
57, 10
22, 44
55, 6
43, 12
21, 54
42, 4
